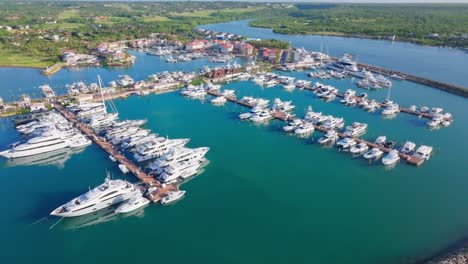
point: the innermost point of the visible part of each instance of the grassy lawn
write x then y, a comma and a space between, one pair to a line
62, 26
203, 13
155, 19
72, 13
14, 59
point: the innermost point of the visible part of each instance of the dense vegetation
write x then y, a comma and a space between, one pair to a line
83, 25
269, 43
407, 22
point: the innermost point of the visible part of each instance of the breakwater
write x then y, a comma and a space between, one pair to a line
451, 88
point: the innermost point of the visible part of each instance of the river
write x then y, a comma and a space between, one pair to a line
442, 64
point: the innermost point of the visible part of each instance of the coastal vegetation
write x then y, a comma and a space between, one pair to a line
35, 34
427, 24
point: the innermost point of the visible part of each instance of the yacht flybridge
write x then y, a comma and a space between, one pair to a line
107, 194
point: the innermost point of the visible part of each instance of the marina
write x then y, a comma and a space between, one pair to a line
255, 160
284, 117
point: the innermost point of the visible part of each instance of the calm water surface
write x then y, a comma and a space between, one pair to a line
264, 197
443, 64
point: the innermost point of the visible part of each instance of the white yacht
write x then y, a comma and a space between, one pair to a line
178, 154
136, 202
423, 152
220, 100
311, 115
304, 129
329, 138
391, 109
374, 153
355, 129
253, 112
261, 117
436, 121
408, 147
137, 141
79, 141
37, 145
380, 140
359, 148
109, 193
292, 125
172, 197
123, 168
391, 158
346, 143
289, 86
181, 169
102, 120
155, 149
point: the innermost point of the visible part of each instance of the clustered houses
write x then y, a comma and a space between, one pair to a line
73, 59
210, 34
114, 53
221, 46
268, 54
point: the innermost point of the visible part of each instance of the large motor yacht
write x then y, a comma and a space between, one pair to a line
107, 194
40, 144
155, 149
178, 154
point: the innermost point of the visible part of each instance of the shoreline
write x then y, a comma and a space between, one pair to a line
21, 67
346, 35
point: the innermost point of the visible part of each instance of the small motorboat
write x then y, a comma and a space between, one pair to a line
132, 204
380, 140
408, 147
423, 152
359, 148
112, 158
374, 153
123, 169
346, 143
172, 197
391, 158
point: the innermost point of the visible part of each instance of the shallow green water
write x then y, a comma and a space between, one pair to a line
265, 197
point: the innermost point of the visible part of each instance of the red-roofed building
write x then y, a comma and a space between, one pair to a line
198, 44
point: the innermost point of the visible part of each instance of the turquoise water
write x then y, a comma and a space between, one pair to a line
443, 64
265, 197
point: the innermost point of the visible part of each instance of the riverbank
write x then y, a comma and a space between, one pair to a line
358, 36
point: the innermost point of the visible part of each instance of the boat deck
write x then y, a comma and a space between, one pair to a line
120, 158
358, 99
286, 117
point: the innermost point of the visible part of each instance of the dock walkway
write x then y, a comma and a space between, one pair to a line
132, 167
286, 117
359, 99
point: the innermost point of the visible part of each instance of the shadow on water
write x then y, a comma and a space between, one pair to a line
46, 204
105, 215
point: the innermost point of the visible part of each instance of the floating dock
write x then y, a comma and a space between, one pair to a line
359, 99
149, 181
286, 117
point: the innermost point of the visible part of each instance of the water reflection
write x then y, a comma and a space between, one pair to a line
102, 216
54, 158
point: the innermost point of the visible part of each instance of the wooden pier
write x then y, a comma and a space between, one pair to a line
132, 167
286, 117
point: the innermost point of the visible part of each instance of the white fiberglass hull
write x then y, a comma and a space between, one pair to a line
98, 206
11, 154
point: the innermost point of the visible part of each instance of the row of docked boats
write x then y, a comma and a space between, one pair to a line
49, 132
261, 111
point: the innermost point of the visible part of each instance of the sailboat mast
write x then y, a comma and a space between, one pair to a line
102, 95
